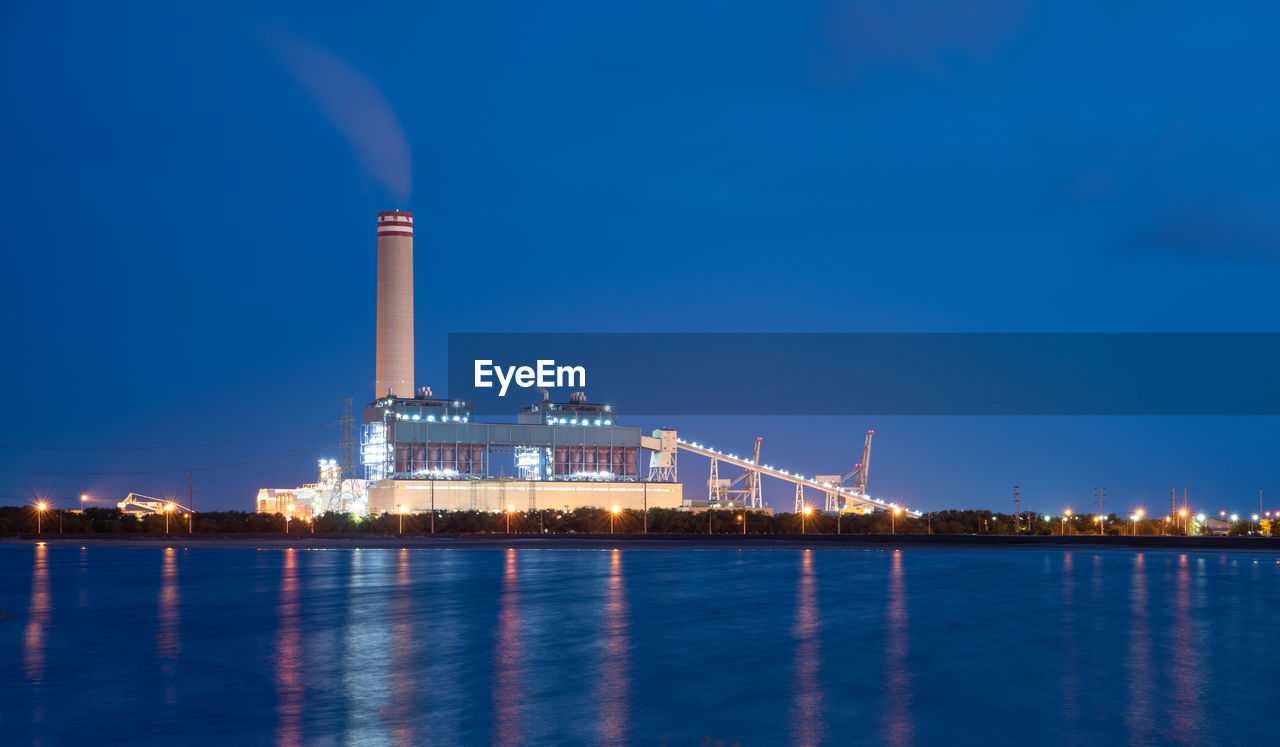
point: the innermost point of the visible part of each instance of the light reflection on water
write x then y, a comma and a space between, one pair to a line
288, 655
1070, 681
508, 663
618, 646
168, 637
33, 639
806, 694
1184, 655
400, 712
897, 725
1138, 714
615, 696
38, 611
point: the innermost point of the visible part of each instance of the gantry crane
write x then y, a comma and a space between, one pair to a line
724, 490
664, 444
143, 505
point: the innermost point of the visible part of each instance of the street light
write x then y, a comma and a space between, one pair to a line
1137, 516
510, 510
288, 516
804, 514
742, 518
613, 513
403, 510
1255, 521
168, 507
1185, 529
1098, 520
893, 520
1065, 515
41, 507
83, 497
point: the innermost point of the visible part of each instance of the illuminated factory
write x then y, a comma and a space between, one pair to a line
331, 492
421, 453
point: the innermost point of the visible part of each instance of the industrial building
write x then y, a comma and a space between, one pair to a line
422, 453
331, 492
419, 452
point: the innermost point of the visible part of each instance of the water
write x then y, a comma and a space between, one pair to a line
474, 646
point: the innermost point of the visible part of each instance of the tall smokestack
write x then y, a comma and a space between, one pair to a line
394, 374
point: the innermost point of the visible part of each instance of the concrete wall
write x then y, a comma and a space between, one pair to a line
525, 495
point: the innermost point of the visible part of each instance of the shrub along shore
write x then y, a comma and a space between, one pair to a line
16, 520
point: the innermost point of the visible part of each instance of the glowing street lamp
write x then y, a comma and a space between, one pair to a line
1137, 516
1098, 520
1183, 514
403, 510
743, 518
510, 510
41, 507
804, 514
1065, 515
83, 498
168, 509
893, 520
1255, 521
613, 514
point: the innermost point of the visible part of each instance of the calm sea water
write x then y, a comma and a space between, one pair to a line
475, 646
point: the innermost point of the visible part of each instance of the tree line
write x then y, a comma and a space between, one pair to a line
23, 520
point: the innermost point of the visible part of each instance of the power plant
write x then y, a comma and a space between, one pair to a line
419, 452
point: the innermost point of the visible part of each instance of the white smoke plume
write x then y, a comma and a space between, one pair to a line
356, 107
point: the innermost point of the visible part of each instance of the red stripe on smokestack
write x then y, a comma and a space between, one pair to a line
394, 364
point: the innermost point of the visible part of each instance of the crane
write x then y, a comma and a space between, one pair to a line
861, 469
852, 499
142, 505
753, 476
664, 445
750, 492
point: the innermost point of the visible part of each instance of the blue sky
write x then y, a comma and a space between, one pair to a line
189, 197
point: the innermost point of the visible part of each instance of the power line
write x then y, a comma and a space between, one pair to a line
166, 446
164, 471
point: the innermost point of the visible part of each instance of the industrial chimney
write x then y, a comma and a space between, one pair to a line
394, 372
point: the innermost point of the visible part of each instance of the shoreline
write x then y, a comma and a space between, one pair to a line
655, 541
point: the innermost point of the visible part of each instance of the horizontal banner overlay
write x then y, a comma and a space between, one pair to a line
873, 374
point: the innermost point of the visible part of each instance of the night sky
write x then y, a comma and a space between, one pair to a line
189, 201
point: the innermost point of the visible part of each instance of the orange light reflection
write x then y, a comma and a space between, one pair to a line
615, 683
897, 723
806, 714
508, 665
288, 656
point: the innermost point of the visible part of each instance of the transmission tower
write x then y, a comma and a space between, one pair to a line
347, 446
1017, 508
